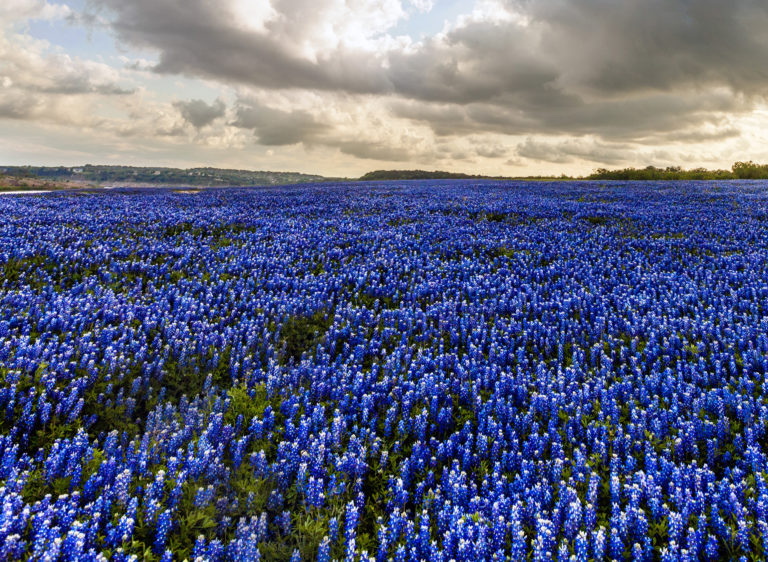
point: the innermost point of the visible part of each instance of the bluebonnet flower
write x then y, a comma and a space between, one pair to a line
582, 547
162, 528
598, 544
324, 550
542, 372
333, 530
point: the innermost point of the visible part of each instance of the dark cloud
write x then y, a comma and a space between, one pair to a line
491, 151
626, 118
445, 119
544, 152
17, 108
615, 46
202, 38
198, 113
378, 151
481, 61
75, 85
568, 151
274, 127
695, 136
608, 46
618, 70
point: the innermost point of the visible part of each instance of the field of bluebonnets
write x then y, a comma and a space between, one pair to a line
415, 371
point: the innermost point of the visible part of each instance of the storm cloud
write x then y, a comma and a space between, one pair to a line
620, 69
553, 81
274, 127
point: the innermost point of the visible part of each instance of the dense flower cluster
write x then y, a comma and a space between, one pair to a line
418, 371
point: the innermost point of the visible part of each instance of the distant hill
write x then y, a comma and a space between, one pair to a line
32, 183
77, 177
88, 175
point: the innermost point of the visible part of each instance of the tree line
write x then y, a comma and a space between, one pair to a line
739, 171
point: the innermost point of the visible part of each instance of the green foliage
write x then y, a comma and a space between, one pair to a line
505, 252
219, 232
597, 220
37, 487
740, 170
188, 379
401, 221
750, 171
318, 268
496, 217
45, 437
302, 333
39, 271
111, 418
193, 522
248, 403
363, 298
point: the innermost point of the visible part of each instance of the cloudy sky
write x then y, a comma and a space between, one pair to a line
341, 87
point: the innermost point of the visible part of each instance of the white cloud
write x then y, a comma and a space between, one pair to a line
313, 29
253, 16
18, 10
32, 65
423, 6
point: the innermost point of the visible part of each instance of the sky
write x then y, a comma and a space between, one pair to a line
342, 87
